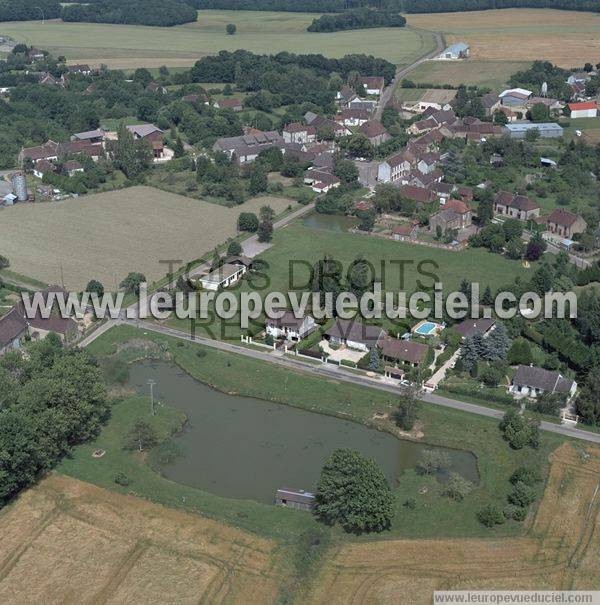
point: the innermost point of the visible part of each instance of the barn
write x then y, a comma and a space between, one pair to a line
588, 109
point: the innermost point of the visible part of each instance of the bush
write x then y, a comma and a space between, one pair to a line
490, 515
410, 503
526, 475
457, 488
200, 353
522, 495
167, 451
122, 479
517, 513
432, 461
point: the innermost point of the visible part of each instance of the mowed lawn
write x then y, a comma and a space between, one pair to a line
566, 38
472, 72
132, 46
297, 245
105, 236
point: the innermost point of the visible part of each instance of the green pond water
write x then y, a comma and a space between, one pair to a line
245, 448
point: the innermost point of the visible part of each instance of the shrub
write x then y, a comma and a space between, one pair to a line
526, 475
432, 461
167, 451
200, 353
522, 494
490, 515
122, 479
457, 488
517, 513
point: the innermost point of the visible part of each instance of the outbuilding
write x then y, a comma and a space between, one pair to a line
587, 109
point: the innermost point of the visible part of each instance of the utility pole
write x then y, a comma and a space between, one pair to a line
151, 383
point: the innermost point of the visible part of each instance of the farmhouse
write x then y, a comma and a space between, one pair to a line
588, 109
233, 104
546, 130
345, 95
437, 98
515, 206
455, 215
490, 102
145, 131
354, 334
373, 85
156, 88
422, 126
375, 132
420, 195
406, 352
72, 167
530, 381
352, 116
290, 327
470, 327
299, 133
564, 223
92, 136
246, 148
40, 168
419, 179
13, 329
223, 277
81, 69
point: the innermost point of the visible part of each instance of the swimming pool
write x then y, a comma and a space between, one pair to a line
426, 328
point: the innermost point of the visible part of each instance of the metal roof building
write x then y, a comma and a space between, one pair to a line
456, 51
547, 130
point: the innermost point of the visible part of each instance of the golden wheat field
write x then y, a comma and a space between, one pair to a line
70, 542
104, 236
567, 38
67, 541
561, 550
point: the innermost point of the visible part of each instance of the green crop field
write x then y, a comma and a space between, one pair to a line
131, 46
492, 74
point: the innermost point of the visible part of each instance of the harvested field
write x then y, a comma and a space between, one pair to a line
105, 236
567, 38
68, 541
560, 552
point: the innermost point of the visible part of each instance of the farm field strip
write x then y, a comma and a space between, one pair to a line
65, 537
105, 236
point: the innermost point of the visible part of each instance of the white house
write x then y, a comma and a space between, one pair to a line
354, 334
530, 381
588, 109
223, 277
298, 133
290, 327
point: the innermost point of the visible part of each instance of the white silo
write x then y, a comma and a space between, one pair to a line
20, 186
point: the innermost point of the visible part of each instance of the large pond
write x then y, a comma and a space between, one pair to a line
240, 447
330, 222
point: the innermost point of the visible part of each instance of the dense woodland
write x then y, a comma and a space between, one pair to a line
405, 6
139, 12
27, 10
360, 18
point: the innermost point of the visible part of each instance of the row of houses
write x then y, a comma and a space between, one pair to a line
560, 222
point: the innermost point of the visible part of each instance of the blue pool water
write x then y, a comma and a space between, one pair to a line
426, 329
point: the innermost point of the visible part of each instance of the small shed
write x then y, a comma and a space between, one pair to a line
295, 498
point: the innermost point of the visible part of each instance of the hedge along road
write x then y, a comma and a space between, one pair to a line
336, 373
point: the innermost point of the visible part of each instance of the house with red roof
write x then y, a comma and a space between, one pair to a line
375, 131
587, 109
374, 85
299, 133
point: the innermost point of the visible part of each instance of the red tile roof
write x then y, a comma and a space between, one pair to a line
583, 105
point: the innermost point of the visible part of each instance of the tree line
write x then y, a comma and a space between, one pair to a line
360, 18
134, 12
454, 6
26, 10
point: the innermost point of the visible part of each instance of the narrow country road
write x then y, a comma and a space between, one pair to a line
335, 372
401, 73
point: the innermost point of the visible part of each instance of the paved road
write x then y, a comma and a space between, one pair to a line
337, 373
401, 73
